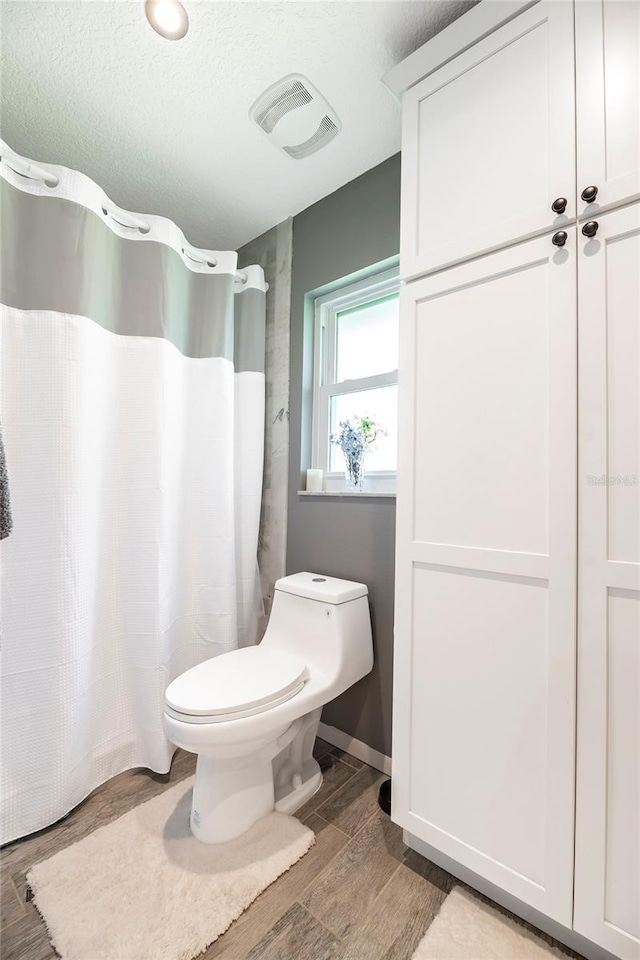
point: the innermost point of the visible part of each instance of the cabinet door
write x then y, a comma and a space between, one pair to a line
607, 888
484, 706
488, 143
608, 101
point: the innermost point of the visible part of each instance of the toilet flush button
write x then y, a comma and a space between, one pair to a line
319, 580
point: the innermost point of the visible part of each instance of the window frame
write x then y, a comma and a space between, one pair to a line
326, 310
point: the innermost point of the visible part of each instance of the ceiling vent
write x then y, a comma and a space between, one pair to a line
295, 117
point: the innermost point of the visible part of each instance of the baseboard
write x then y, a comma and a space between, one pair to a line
362, 751
551, 927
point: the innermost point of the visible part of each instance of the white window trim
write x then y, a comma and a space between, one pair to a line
327, 308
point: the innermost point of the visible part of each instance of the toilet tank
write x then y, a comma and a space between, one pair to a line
326, 621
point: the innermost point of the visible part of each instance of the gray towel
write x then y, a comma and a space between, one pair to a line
5, 504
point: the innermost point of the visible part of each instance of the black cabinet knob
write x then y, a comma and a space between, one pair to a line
589, 194
590, 228
559, 205
559, 239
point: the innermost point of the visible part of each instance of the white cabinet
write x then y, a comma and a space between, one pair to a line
608, 101
489, 138
488, 142
484, 711
518, 357
607, 888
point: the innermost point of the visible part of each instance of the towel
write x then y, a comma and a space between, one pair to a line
5, 504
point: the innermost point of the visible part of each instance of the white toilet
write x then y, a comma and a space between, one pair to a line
252, 715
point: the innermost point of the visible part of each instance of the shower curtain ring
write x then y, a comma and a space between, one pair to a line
125, 219
24, 168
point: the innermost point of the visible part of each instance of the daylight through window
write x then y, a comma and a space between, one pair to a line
356, 376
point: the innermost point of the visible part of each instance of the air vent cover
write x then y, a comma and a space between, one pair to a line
295, 117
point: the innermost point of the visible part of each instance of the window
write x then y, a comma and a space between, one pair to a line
356, 375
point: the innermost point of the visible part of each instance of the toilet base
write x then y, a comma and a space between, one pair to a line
227, 802
232, 791
225, 805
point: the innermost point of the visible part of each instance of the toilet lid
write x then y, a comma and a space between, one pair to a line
238, 683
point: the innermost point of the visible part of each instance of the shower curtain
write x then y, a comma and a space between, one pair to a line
133, 422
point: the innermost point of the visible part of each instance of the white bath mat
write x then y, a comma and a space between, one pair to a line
469, 929
143, 888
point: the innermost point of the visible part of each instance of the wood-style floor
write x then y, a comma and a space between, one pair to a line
359, 894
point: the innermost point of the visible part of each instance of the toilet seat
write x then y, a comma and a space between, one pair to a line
234, 685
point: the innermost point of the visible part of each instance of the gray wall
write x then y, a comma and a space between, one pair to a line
272, 250
343, 236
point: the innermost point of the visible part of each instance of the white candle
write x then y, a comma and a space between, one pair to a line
314, 480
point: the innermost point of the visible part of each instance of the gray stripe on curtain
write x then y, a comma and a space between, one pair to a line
249, 330
57, 255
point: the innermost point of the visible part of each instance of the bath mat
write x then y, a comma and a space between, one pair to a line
469, 929
143, 888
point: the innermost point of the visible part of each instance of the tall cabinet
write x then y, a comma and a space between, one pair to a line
516, 748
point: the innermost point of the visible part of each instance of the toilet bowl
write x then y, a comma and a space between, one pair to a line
252, 715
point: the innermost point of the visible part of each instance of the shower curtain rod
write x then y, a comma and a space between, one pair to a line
26, 168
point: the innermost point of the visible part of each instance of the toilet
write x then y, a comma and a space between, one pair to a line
252, 715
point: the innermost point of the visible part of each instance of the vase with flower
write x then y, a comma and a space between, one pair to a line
354, 437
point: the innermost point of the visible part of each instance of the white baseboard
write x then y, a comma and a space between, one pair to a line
362, 751
569, 937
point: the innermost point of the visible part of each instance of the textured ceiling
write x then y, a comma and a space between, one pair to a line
162, 126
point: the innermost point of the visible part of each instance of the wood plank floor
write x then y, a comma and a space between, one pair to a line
359, 894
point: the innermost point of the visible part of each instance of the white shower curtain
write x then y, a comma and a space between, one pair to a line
133, 420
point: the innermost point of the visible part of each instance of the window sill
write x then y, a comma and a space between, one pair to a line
366, 494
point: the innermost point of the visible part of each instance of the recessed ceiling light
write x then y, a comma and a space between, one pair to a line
167, 17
